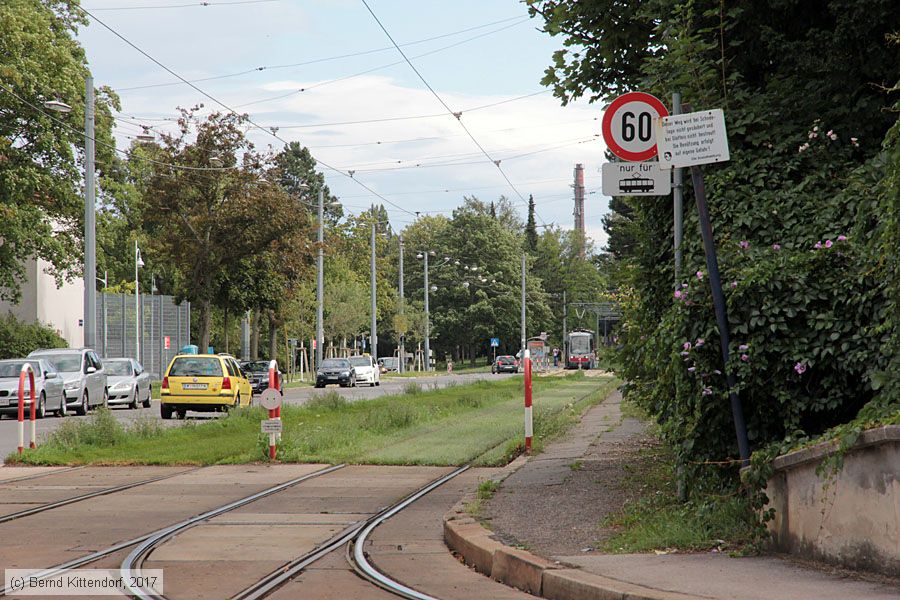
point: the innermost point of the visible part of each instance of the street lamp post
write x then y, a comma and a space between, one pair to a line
138, 263
374, 331
105, 281
90, 240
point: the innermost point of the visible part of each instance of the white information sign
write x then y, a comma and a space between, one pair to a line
270, 399
697, 138
635, 179
270, 426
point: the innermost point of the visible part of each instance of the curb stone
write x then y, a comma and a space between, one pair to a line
533, 574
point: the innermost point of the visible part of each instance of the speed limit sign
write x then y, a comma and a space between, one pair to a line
628, 126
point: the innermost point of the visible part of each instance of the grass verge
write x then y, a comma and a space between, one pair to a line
657, 520
481, 421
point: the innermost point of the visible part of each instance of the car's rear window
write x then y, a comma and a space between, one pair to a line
506, 360
190, 366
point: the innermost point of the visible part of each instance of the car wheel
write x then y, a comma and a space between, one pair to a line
181, 415
134, 402
378, 383
165, 411
41, 411
82, 409
147, 401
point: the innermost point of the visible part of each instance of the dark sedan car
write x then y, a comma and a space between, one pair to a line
258, 373
335, 370
505, 364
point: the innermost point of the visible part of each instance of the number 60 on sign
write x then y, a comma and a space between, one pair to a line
629, 126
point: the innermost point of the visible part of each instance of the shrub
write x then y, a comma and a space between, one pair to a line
100, 429
327, 402
412, 388
18, 339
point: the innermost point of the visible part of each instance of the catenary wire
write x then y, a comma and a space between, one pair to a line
208, 3
231, 110
443, 103
317, 60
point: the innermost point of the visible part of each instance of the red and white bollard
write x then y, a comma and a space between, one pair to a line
528, 416
274, 413
26, 368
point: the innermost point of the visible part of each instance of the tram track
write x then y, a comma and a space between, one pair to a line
167, 532
37, 475
81, 497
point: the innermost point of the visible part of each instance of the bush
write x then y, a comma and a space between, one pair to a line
18, 339
100, 429
327, 402
412, 388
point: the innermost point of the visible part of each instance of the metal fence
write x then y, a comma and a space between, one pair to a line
160, 318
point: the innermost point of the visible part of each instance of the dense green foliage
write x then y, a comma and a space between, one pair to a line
18, 339
804, 214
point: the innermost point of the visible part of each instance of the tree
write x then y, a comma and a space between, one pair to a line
41, 152
531, 235
197, 217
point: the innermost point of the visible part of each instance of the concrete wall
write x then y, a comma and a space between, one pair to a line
851, 518
59, 307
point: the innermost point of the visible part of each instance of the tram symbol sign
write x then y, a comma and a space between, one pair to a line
635, 179
629, 126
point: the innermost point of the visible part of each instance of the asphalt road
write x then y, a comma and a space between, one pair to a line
293, 396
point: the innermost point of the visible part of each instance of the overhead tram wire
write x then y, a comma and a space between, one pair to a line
234, 112
320, 60
208, 3
379, 67
102, 143
444, 104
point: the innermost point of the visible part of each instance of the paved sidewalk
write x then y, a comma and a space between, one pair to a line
704, 575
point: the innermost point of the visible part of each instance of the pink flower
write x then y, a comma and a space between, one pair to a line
699, 275
800, 368
684, 285
707, 391
776, 247
854, 141
717, 372
842, 238
686, 345
829, 243
745, 358
733, 284
744, 244
700, 342
803, 147
691, 369
817, 245
685, 354
678, 294
743, 348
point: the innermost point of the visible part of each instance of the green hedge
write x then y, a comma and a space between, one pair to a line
17, 338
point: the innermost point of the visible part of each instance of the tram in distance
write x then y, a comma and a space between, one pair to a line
581, 352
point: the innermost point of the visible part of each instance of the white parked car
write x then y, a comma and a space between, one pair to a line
48, 387
127, 382
367, 370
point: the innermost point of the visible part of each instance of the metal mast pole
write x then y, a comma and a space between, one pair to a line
90, 242
320, 281
678, 199
400, 364
564, 349
374, 330
427, 319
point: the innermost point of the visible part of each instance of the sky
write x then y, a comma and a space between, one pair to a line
329, 65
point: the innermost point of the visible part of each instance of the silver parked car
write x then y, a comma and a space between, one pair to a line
82, 371
48, 388
127, 382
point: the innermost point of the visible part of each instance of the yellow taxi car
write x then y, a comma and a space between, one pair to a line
203, 383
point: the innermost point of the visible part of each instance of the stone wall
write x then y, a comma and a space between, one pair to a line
850, 518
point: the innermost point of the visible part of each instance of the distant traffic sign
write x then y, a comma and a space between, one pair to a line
690, 139
635, 179
628, 128
495, 342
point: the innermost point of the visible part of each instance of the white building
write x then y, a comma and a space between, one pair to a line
61, 308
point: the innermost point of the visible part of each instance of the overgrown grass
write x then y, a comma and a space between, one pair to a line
658, 520
481, 421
